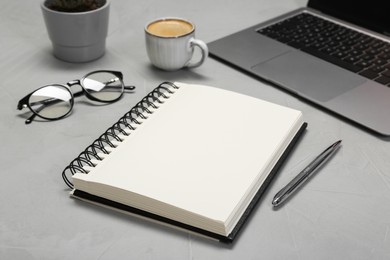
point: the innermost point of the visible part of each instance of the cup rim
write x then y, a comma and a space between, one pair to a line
167, 19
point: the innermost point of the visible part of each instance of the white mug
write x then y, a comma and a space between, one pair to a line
170, 44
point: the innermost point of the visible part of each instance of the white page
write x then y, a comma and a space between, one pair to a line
200, 151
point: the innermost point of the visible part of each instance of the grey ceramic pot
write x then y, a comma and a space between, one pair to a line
77, 37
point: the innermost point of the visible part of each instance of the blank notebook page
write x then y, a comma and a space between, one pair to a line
201, 151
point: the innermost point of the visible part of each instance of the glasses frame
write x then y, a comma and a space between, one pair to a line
24, 102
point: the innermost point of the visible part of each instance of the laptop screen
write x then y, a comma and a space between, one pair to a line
369, 14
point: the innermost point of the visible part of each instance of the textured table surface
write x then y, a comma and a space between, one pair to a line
342, 213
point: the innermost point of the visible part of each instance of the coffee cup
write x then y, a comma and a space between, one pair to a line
170, 44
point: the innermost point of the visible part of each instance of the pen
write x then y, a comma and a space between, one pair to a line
293, 185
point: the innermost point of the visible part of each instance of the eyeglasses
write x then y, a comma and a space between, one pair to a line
55, 101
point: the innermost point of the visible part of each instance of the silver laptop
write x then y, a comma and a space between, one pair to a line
335, 54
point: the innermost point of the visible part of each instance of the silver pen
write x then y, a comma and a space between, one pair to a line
295, 183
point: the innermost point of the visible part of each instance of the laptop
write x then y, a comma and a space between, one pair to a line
334, 54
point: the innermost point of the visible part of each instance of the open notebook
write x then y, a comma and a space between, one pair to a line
191, 156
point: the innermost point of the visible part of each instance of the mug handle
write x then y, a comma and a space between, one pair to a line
203, 48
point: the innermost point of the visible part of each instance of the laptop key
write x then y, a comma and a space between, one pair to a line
379, 62
384, 56
352, 59
327, 50
340, 54
386, 73
383, 80
367, 57
369, 74
364, 64
379, 69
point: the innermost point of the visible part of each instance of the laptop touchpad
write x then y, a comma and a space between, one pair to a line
307, 76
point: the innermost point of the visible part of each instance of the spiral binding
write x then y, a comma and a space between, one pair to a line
114, 135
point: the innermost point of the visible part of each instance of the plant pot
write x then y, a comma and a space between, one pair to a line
78, 36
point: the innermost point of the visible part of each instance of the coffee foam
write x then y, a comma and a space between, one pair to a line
170, 28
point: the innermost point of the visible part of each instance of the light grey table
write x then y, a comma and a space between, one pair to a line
342, 213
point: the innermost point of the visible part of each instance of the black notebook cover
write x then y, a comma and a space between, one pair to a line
229, 239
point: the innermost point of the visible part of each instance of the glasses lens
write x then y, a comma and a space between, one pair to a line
51, 102
103, 86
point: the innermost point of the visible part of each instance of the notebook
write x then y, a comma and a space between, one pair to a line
334, 54
194, 157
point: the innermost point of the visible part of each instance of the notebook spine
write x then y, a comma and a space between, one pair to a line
116, 134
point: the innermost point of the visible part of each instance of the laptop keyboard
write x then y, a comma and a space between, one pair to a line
349, 49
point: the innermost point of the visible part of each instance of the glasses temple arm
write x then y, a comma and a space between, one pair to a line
129, 87
30, 119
